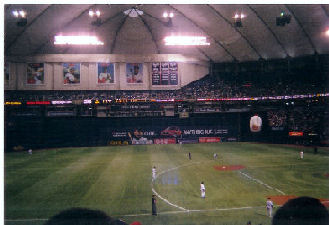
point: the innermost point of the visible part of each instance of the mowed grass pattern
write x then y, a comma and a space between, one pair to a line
118, 181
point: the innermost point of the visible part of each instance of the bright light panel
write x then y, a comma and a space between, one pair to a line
171, 15
15, 13
77, 40
327, 32
165, 15
91, 13
22, 13
186, 40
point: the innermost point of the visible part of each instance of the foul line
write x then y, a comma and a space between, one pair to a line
261, 182
166, 171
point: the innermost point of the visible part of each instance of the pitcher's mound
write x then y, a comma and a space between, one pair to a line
229, 167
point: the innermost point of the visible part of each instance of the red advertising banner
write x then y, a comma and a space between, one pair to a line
209, 139
294, 133
164, 141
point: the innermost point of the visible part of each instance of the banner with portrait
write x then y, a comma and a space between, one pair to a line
105, 73
134, 73
71, 73
6, 71
35, 74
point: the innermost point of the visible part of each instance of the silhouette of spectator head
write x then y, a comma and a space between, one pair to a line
82, 216
301, 211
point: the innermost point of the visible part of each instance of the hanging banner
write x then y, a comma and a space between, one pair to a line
173, 73
71, 73
6, 71
35, 73
164, 73
156, 73
134, 73
105, 73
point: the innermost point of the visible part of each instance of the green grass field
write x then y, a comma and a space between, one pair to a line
118, 180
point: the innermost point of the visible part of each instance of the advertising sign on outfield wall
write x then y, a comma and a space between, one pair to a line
209, 139
164, 141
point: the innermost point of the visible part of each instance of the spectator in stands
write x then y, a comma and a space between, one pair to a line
83, 216
301, 211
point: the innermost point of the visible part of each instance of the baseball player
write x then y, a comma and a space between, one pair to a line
203, 190
154, 171
269, 207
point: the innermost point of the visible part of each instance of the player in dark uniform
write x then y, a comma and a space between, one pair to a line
154, 207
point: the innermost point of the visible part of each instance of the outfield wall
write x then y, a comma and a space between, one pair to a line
47, 132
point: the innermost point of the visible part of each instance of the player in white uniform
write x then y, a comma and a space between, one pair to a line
301, 154
203, 190
269, 207
154, 171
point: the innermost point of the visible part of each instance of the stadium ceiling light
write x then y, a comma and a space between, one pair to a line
165, 14
238, 19
133, 12
92, 13
186, 40
77, 40
15, 13
327, 32
283, 19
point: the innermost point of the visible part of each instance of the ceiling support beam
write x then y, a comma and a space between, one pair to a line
325, 11
269, 29
236, 29
116, 34
50, 37
150, 31
301, 26
26, 27
196, 25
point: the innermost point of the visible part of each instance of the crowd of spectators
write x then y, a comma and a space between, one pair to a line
210, 86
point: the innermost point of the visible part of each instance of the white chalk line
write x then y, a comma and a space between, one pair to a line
261, 182
166, 171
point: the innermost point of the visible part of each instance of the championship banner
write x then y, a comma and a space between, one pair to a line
71, 73
105, 73
164, 73
35, 74
173, 73
6, 71
134, 73
156, 73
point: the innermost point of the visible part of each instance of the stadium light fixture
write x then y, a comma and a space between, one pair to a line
238, 19
15, 13
283, 19
186, 40
77, 40
97, 13
327, 32
21, 16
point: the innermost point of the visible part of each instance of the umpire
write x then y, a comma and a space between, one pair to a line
154, 207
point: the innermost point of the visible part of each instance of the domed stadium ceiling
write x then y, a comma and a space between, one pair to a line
143, 29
